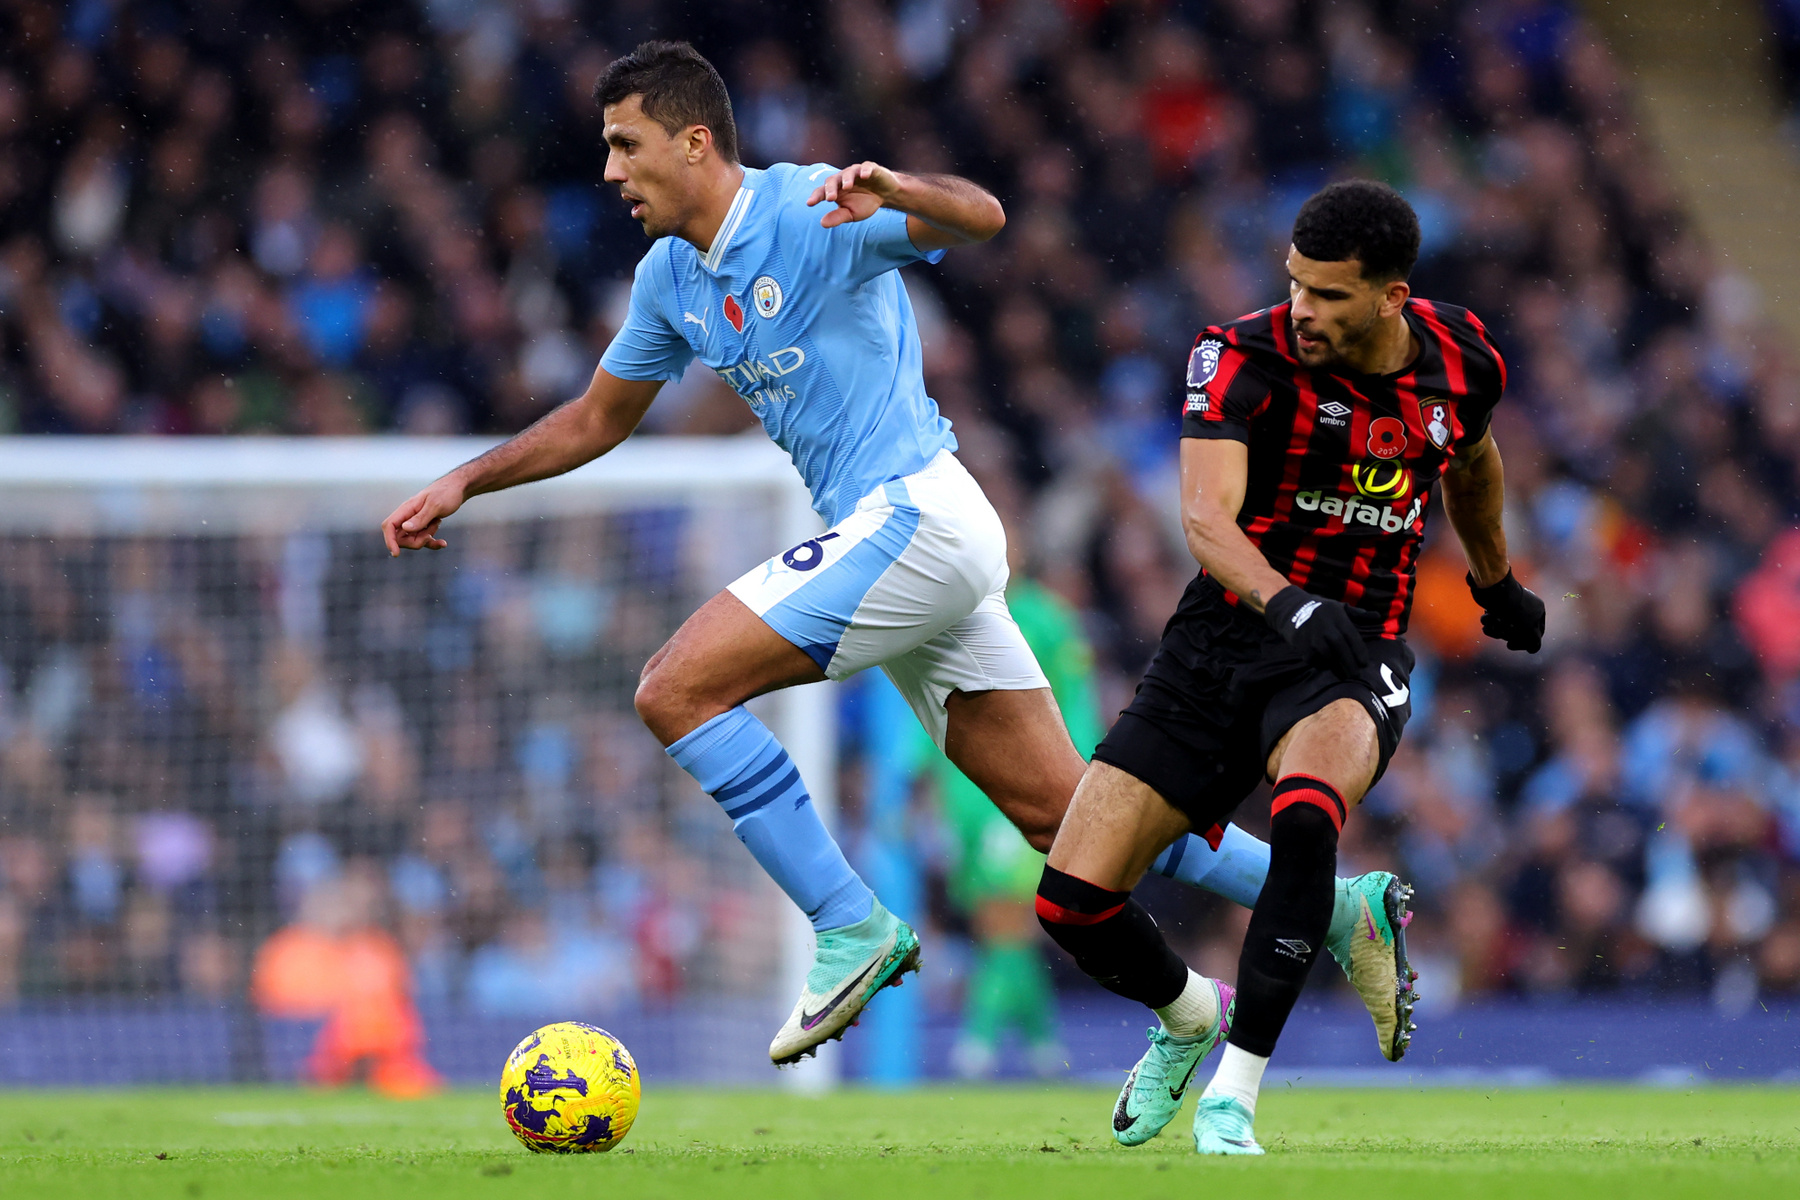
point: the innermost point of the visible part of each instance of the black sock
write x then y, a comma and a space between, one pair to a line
1112, 938
1293, 914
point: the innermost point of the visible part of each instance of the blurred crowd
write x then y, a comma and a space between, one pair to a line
1784, 25
335, 216
430, 761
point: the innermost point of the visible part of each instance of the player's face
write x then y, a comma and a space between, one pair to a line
651, 166
1335, 310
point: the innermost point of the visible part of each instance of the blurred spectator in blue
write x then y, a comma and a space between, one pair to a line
537, 967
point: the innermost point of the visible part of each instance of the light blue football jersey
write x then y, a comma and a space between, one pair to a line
811, 326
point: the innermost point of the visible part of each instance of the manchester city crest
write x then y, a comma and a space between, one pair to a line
767, 295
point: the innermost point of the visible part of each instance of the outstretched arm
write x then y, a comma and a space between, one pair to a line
1474, 496
941, 210
564, 438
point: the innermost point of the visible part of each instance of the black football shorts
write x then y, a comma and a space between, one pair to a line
1220, 693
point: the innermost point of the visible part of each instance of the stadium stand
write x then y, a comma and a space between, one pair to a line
345, 216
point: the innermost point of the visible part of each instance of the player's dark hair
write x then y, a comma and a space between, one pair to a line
1364, 220
678, 87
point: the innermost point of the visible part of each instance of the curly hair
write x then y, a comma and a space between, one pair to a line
679, 88
1362, 220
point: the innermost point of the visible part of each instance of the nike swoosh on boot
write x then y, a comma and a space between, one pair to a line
1176, 1093
808, 1020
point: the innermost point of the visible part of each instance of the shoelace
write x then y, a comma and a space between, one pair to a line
1155, 1069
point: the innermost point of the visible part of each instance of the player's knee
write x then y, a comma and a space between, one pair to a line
1339, 742
658, 701
1035, 811
670, 706
1038, 825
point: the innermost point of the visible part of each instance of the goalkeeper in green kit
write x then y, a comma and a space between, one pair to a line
995, 873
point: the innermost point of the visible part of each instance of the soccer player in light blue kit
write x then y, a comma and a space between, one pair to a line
784, 282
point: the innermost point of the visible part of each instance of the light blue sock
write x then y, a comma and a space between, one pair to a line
1235, 870
739, 763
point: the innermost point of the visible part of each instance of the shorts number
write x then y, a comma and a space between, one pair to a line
807, 554
1397, 689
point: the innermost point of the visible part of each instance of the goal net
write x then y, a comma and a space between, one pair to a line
250, 766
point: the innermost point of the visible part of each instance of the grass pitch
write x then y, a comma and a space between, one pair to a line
942, 1143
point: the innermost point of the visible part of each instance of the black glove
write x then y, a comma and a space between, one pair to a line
1511, 613
1320, 629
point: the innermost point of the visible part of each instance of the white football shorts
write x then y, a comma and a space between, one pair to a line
912, 581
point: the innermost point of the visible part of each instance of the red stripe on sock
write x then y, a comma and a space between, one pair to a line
1056, 914
1214, 836
1323, 797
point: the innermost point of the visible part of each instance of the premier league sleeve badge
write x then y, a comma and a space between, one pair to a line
1203, 363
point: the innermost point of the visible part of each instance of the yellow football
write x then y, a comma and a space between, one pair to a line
570, 1088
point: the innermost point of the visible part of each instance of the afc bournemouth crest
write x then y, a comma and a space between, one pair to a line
1437, 419
1203, 363
767, 295
734, 312
1387, 438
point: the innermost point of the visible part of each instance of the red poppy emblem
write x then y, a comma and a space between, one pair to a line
1387, 437
734, 313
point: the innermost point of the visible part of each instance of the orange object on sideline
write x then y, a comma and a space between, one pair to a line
296, 973
1444, 614
359, 983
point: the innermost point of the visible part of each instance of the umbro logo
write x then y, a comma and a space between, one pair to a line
1335, 409
1293, 948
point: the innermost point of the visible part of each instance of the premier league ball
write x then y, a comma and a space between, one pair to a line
570, 1088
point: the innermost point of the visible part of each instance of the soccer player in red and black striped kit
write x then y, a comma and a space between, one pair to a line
1312, 434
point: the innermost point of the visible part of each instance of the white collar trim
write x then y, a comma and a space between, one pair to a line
734, 216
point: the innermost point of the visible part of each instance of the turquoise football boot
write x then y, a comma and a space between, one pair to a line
1222, 1125
1154, 1090
1368, 939
850, 964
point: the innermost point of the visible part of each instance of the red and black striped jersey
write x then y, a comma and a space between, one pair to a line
1341, 466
